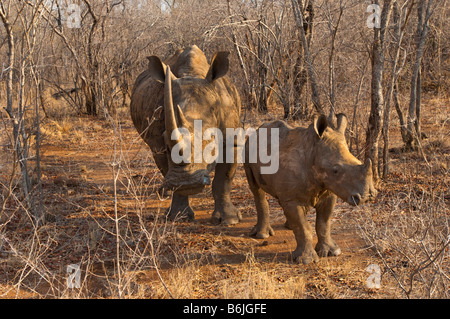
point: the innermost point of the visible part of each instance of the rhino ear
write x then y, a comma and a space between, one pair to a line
342, 122
320, 125
219, 66
157, 69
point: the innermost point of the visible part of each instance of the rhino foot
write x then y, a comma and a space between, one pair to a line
226, 215
180, 209
260, 232
287, 225
305, 257
326, 249
183, 214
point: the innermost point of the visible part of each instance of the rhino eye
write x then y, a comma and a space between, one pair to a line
336, 170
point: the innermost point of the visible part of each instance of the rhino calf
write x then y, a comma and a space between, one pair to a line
315, 166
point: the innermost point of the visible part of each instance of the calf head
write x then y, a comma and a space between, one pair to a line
188, 99
335, 168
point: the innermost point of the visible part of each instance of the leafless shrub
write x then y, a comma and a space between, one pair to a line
410, 233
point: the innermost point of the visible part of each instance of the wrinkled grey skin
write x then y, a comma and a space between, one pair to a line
172, 95
316, 167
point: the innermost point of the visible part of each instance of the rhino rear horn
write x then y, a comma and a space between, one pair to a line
182, 118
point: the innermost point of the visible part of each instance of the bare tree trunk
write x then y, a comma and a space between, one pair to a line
413, 127
249, 95
27, 30
296, 5
40, 200
10, 63
331, 70
300, 72
377, 99
401, 117
92, 88
354, 130
262, 72
398, 34
300, 80
418, 104
15, 117
22, 140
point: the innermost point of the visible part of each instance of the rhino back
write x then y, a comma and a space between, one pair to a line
296, 146
190, 62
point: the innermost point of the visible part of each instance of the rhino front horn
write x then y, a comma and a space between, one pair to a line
169, 112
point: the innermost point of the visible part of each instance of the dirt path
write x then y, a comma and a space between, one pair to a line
214, 261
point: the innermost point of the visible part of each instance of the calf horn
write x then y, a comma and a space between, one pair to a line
368, 166
169, 111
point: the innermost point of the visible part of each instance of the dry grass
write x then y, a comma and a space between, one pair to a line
99, 189
409, 229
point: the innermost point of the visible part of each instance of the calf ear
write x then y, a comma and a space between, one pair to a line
342, 122
320, 125
219, 66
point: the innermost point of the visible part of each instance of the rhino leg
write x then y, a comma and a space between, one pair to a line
161, 161
163, 166
296, 216
224, 211
179, 208
326, 246
262, 229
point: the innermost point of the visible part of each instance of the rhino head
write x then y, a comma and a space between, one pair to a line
189, 98
335, 168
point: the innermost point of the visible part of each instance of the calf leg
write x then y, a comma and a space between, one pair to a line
179, 208
262, 228
224, 210
324, 209
296, 216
